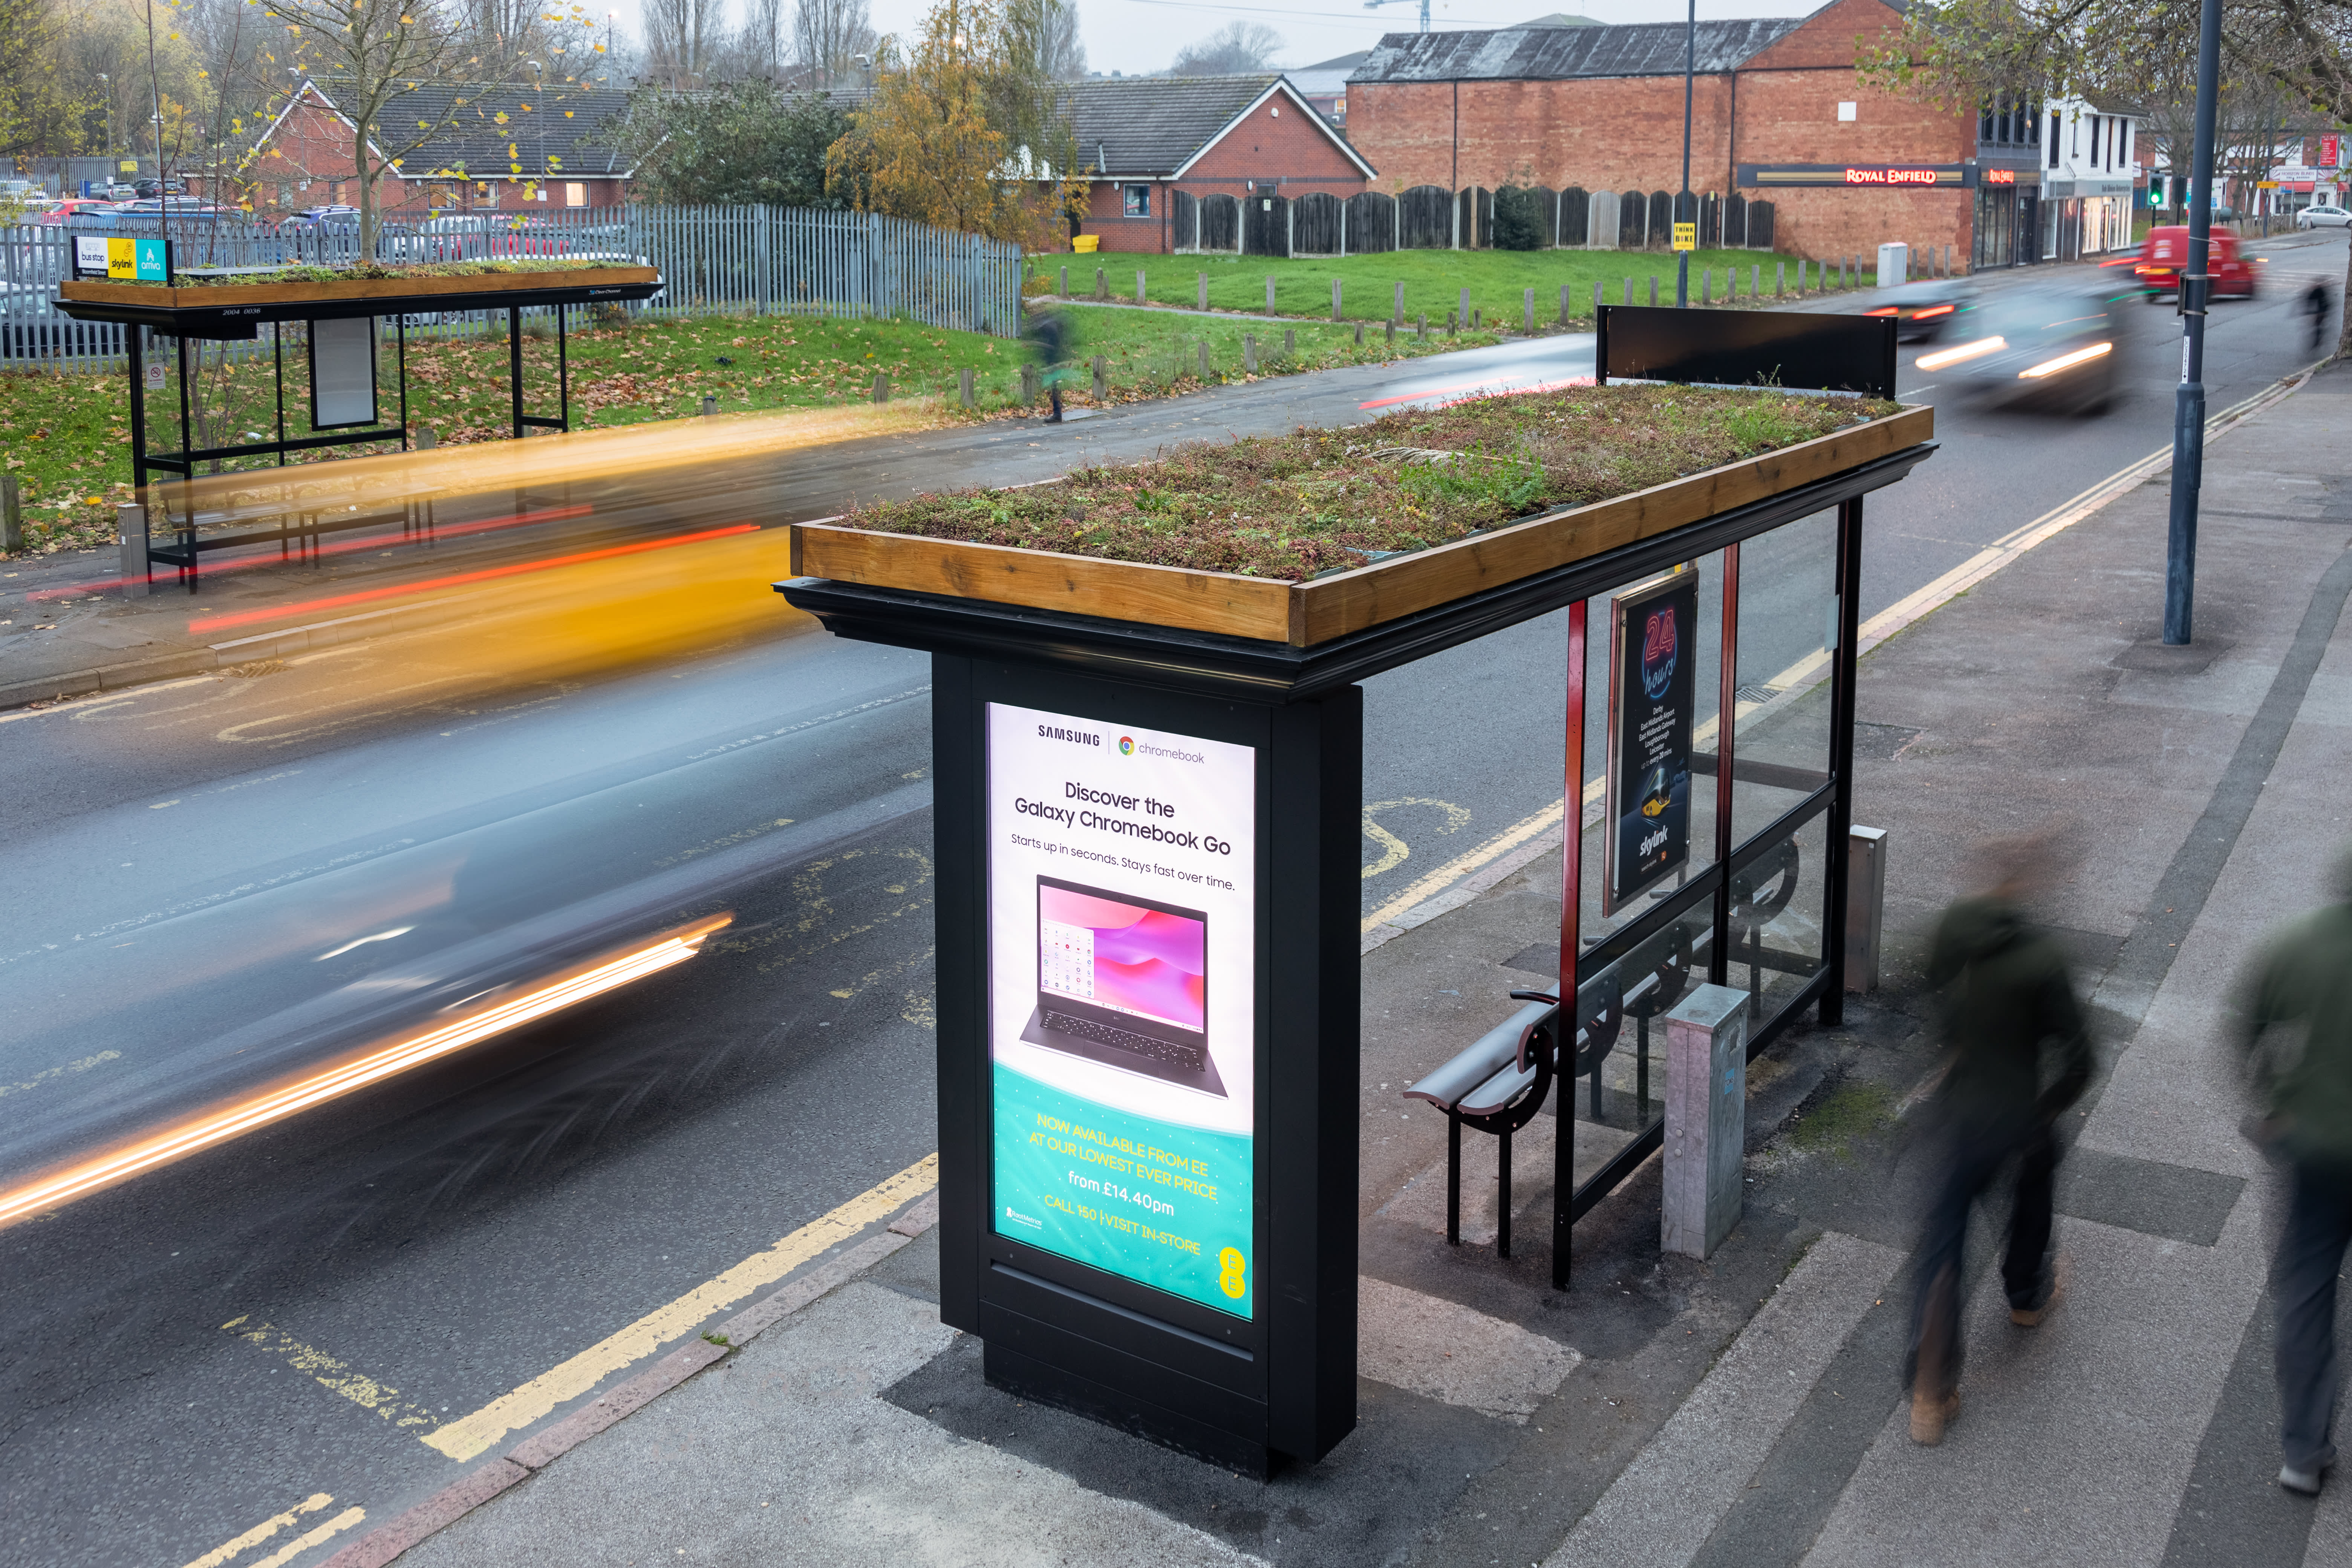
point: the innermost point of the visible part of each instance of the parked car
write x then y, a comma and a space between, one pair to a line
145, 189
2323, 215
31, 328
169, 207
2045, 346
2165, 252
326, 218
1927, 310
77, 207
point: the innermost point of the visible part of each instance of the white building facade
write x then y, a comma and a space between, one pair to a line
2090, 175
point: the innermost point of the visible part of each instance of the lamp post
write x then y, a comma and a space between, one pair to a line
537, 85
1682, 198
2189, 401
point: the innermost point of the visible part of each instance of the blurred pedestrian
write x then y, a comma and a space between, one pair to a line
1052, 341
2017, 1053
2296, 1026
2314, 305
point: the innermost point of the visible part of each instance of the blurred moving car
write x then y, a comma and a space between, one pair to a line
1927, 310
2053, 346
2324, 215
2167, 252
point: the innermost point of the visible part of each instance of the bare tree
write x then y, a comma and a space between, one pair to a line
683, 39
1233, 49
827, 38
761, 48
1051, 37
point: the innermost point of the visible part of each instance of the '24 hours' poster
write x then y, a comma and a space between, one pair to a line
1121, 911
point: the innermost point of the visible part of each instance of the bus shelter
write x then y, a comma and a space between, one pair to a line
1194, 1280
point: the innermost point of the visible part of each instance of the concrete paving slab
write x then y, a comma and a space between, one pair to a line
1455, 1354
2074, 1439
1669, 1500
841, 1477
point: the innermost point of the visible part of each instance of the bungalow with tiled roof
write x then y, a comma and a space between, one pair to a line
1191, 164
498, 148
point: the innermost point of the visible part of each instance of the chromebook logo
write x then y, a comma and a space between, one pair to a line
1126, 745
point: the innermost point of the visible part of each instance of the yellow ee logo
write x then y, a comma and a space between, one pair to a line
1233, 1273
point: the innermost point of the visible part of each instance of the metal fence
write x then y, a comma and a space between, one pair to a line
757, 260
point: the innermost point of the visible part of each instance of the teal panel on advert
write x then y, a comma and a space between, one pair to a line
1151, 1201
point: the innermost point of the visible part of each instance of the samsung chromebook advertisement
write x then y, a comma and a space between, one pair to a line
1120, 912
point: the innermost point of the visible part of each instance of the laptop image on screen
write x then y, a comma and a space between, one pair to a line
1123, 981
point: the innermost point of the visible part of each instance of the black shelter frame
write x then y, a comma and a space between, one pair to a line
297, 527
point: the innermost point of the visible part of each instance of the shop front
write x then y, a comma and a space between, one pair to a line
2007, 227
2085, 217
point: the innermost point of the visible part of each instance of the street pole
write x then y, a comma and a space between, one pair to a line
1683, 213
2189, 401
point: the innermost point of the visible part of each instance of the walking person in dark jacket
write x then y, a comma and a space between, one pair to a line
2017, 1053
2295, 1026
1053, 343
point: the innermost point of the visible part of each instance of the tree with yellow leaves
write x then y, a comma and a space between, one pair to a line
963, 131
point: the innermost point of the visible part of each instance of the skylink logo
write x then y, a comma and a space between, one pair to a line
1077, 737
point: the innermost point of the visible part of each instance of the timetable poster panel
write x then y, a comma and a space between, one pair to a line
1121, 909
1652, 644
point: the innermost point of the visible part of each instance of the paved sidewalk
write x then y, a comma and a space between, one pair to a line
1744, 1411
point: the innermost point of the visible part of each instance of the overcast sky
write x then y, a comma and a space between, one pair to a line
1141, 35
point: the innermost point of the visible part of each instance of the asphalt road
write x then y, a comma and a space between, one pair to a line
196, 862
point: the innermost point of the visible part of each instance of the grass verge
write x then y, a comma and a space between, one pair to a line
1433, 281
66, 436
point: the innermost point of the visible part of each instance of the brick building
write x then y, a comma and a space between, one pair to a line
1776, 112
514, 148
1170, 156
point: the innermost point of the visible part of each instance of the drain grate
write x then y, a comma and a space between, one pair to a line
1758, 693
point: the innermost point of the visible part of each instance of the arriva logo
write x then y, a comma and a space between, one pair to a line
1126, 745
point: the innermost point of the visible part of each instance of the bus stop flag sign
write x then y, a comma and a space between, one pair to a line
1122, 1000
1652, 656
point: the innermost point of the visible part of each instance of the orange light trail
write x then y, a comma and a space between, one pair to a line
234, 1119
552, 514
311, 607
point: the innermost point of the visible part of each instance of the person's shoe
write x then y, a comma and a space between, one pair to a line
1930, 1416
2031, 1317
2294, 1480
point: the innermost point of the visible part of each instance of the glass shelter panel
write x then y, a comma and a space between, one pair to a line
1780, 735
1778, 901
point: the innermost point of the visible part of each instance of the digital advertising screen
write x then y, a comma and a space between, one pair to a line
1652, 655
1122, 910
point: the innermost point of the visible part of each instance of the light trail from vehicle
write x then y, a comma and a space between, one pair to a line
342, 547
487, 574
220, 1123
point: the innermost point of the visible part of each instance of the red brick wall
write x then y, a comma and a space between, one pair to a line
1611, 134
1623, 134
1279, 144
1790, 116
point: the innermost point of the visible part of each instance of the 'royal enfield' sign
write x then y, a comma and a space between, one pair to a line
1860, 177
1653, 654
